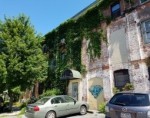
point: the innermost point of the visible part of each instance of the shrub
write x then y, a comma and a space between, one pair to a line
115, 90
101, 107
22, 111
51, 92
128, 87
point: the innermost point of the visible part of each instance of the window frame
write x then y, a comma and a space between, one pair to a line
118, 81
145, 32
117, 11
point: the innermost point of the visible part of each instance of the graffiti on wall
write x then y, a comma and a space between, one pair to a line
96, 90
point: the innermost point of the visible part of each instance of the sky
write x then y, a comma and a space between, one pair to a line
45, 15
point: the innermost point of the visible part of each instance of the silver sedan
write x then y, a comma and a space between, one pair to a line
56, 106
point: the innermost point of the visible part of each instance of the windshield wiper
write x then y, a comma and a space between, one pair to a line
119, 103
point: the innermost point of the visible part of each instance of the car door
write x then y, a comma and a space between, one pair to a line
73, 106
59, 105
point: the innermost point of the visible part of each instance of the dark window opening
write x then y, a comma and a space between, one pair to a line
149, 73
121, 78
115, 10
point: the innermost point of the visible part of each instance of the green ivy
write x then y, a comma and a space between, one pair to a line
74, 31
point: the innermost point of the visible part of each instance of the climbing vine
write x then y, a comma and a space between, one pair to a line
65, 42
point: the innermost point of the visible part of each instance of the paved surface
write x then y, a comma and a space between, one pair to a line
91, 114
88, 115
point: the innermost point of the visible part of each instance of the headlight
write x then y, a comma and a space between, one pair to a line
106, 108
148, 114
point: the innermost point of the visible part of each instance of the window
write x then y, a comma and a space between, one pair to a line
115, 10
69, 99
42, 101
146, 31
121, 78
143, 1
130, 99
57, 100
149, 72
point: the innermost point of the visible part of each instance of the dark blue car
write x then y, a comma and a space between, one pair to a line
128, 105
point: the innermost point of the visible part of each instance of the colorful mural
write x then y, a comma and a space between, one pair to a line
96, 90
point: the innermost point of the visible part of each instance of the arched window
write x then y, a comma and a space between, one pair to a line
121, 78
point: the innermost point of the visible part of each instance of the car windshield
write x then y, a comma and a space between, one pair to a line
128, 99
42, 101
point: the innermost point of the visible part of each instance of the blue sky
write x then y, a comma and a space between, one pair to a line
45, 15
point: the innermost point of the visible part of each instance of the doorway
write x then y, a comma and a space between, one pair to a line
75, 90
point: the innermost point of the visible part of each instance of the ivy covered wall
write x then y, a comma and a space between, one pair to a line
64, 43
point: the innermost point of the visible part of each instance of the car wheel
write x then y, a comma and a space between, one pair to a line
83, 110
51, 114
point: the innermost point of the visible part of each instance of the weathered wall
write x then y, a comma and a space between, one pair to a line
137, 49
136, 52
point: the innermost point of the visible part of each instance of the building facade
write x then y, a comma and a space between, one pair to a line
122, 58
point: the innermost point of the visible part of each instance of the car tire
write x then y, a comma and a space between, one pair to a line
83, 110
51, 114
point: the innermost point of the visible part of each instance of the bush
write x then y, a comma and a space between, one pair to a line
128, 87
51, 92
22, 111
101, 108
115, 90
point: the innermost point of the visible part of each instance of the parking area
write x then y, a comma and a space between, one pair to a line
88, 115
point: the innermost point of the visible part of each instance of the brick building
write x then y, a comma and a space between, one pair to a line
122, 58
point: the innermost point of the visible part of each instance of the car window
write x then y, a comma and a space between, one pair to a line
130, 100
57, 100
69, 99
42, 101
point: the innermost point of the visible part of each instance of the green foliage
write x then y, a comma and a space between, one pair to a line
101, 107
21, 59
128, 87
115, 90
17, 90
51, 92
22, 111
68, 55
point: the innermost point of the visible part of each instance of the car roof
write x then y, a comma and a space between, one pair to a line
55, 96
134, 92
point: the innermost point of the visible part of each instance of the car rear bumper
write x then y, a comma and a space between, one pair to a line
34, 115
29, 115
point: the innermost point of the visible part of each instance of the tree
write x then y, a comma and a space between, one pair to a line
22, 62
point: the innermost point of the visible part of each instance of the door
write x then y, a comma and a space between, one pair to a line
73, 106
75, 90
60, 106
